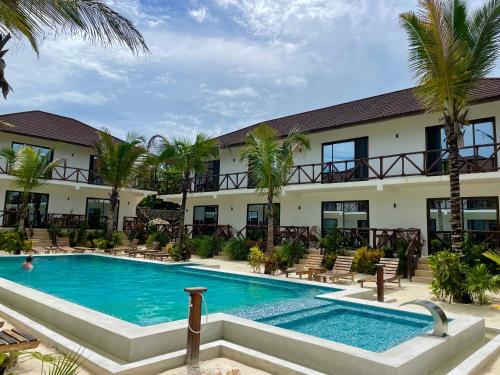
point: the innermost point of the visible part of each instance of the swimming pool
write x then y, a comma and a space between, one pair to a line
145, 294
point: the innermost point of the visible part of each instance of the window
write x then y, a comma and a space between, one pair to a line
343, 160
97, 212
209, 179
257, 214
478, 214
347, 214
45, 151
476, 134
205, 220
94, 178
257, 220
37, 209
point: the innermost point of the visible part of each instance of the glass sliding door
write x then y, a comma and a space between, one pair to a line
36, 210
345, 160
205, 220
209, 179
257, 220
344, 214
97, 212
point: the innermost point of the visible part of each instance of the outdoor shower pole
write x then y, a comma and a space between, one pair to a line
380, 282
194, 324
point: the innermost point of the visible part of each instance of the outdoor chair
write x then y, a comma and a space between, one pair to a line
390, 272
341, 270
14, 340
313, 265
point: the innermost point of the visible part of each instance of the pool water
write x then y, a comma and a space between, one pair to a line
148, 293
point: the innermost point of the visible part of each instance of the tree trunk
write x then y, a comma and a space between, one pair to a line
22, 213
184, 251
455, 199
113, 200
270, 224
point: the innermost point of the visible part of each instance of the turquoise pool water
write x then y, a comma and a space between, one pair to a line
147, 293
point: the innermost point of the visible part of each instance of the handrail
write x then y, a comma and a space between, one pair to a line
81, 175
473, 159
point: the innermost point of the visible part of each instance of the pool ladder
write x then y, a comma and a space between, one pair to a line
438, 315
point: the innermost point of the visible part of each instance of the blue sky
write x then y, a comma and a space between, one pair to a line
218, 65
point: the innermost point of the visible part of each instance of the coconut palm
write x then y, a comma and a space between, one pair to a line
30, 169
187, 159
450, 51
270, 162
94, 20
119, 164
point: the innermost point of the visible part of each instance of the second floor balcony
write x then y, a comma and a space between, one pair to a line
80, 175
473, 159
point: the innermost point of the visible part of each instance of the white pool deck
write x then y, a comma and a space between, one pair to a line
113, 346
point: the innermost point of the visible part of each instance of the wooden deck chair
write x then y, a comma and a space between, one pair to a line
313, 262
341, 270
14, 340
63, 245
390, 272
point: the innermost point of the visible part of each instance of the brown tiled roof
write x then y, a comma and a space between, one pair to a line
50, 126
381, 107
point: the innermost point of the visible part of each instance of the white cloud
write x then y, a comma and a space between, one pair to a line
90, 99
199, 15
234, 93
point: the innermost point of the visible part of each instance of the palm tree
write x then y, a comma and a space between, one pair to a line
30, 169
450, 52
119, 164
94, 20
187, 159
270, 162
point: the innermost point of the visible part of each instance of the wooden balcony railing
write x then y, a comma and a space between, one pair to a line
439, 240
75, 221
473, 159
80, 175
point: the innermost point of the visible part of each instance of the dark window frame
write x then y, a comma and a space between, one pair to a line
204, 206
20, 192
428, 213
364, 171
32, 146
265, 207
367, 201
104, 199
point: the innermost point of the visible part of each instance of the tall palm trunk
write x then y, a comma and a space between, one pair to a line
270, 223
455, 199
22, 214
184, 252
113, 200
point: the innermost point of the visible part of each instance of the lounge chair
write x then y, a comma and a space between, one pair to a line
63, 245
313, 265
341, 270
14, 340
133, 250
390, 272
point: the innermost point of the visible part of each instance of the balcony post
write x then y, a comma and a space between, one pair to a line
380, 282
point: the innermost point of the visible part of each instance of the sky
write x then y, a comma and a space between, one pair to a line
217, 65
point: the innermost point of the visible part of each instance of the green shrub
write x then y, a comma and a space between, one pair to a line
14, 243
101, 243
236, 249
273, 263
291, 252
448, 269
473, 252
175, 253
117, 238
332, 242
398, 250
160, 237
365, 260
479, 280
256, 258
205, 246
329, 260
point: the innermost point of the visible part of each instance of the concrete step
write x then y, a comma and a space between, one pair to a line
313, 251
424, 267
423, 280
423, 260
423, 273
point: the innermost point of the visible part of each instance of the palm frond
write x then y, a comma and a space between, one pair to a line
92, 19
